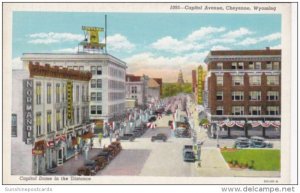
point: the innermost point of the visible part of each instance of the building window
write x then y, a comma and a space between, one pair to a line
99, 83
63, 118
219, 65
238, 80
269, 65
93, 83
237, 110
99, 96
70, 67
57, 93
255, 110
93, 110
48, 93
220, 80
134, 89
276, 65
273, 80
251, 65
49, 121
273, 110
273, 96
82, 94
255, 96
75, 68
99, 70
257, 65
233, 65
77, 93
58, 120
219, 95
99, 110
93, 70
241, 65
38, 93
14, 125
219, 110
255, 80
81, 68
237, 96
38, 124
93, 96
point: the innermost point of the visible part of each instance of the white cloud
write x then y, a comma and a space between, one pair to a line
173, 45
118, 42
52, 37
237, 33
202, 32
67, 50
268, 38
17, 63
219, 47
164, 67
276, 46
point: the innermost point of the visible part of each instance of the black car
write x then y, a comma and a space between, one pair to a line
242, 142
152, 119
159, 136
168, 112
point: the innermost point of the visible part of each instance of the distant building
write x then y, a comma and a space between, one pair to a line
136, 88
180, 78
153, 90
244, 85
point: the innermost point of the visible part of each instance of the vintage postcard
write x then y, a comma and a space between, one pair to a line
148, 93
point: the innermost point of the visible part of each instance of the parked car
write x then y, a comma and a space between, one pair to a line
160, 136
259, 142
152, 119
169, 112
188, 153
128, 136
242, 142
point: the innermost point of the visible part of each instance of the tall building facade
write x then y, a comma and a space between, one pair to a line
55, 114
107, 86
244, 85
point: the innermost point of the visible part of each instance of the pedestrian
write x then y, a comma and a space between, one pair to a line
100, 136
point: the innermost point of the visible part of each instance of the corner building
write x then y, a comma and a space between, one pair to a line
244, 86
107, 86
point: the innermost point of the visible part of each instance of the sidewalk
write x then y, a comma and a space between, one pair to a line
70, 166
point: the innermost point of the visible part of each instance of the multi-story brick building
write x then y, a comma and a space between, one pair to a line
136, 88
244, 85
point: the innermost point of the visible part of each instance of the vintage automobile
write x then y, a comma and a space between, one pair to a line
259, 142
168, 112
161, 136
152, 119
127, 136
188, 153
242, 142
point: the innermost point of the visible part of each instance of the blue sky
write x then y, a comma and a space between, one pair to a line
150, 43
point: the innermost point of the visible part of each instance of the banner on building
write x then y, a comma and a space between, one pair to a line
27, 110
70, 100
200, 85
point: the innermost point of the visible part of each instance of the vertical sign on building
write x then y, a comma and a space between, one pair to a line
28, 110
200, 85
70, 100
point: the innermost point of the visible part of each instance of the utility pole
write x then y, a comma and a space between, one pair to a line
105, 34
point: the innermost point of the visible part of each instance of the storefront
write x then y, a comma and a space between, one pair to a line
39, 158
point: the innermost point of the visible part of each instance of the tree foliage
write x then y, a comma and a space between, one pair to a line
172, 89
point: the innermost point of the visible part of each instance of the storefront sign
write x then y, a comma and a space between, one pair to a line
70, 100
200, 85
37, 152
27, 110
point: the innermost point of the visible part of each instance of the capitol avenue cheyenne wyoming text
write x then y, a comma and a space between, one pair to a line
223, 8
